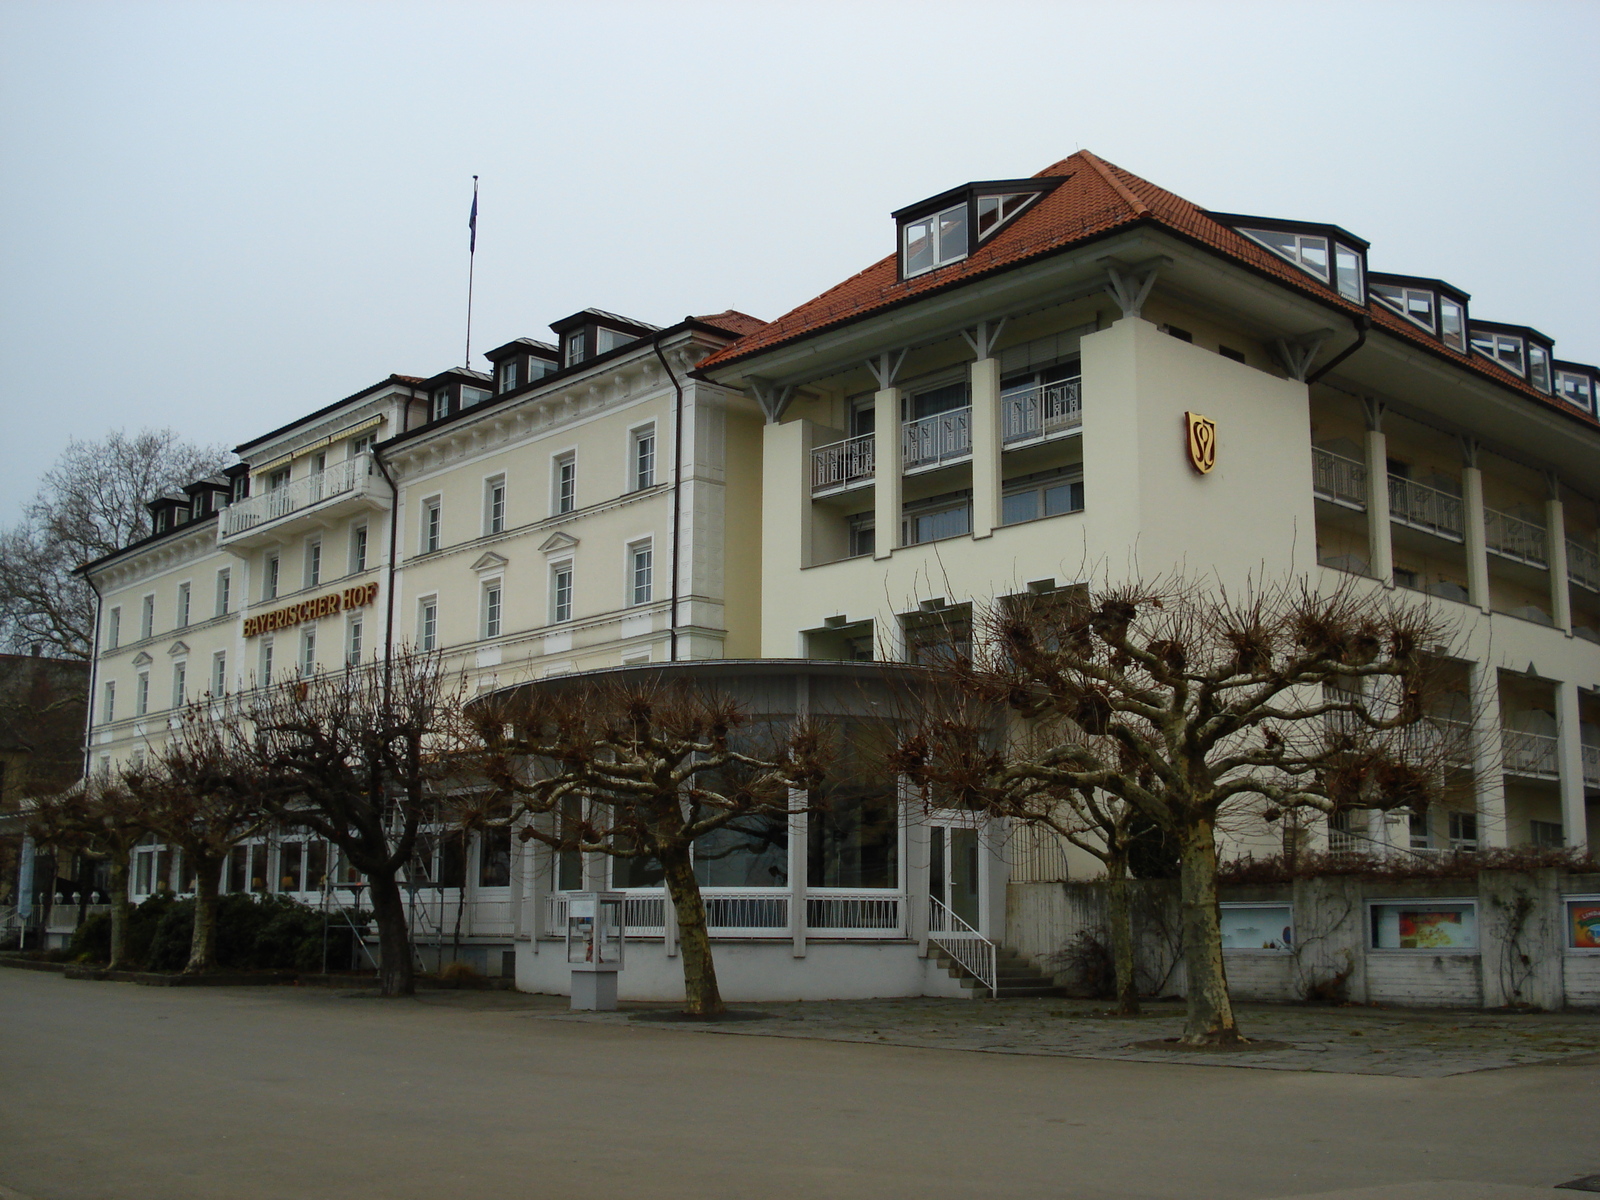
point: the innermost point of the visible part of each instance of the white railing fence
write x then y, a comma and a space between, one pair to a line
934, 439
862, 914
1512, 537
1424, 507
1337, 478
1044, 410
736, 913
840, 463
1591, 766
1583, 565
1530, 753
291, 497
962, 942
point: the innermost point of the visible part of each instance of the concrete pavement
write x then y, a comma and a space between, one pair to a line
116, 1092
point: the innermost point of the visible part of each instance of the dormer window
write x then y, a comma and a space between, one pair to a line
441, 404
1503, 348
1308, 252
1576, 388
473, 395
610, 339
1327, 253
575, 348
507, 375
949, 226
1453, 323
1539, 366
1414, 303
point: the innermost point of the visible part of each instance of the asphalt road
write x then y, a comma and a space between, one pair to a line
121, 1092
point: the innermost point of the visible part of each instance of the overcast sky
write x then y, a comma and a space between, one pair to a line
220, 216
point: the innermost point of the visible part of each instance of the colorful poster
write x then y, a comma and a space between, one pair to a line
1584, 916
1422, 930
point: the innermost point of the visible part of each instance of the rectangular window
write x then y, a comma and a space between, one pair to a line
491, 610
266, 662
441, 404
308, 653
1463, 831
269, 581
1501, 348
1575, 389
147, 617
224, 592
114, 629
561, 592
944, 516
278, 479
313, 563
430, 526
644, 458
576, 348
1257, 926
352, 642
508, 375
360, 445
641, 568
219, 673
1547, 835
1043, 495
1583, 922
428, 625
180, 684
566, 483
141, 694
932, 241
494, 857
1347, 273
1440, 926
471, 396
108, 707
1539, 367
494, 505
1453, 323
358, 549
183, 605
863, 534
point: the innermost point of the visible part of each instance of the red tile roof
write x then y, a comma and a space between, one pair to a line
1094, 197
734, 322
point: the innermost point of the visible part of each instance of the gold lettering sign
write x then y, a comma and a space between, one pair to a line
311, 610
1202, 442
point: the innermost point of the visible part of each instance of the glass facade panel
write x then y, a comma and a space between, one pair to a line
750, 852
854, 840
494, 857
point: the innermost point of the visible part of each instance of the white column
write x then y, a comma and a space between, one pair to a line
1555, 524
887, 471
1569, 751
1475, 536
986, 487
1487, 754
914, 866
799, 844
1379, 547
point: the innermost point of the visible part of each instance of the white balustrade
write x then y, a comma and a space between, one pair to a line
1583, 565
1423, 507
840, 464
294, 496
1340, 479
1591, 766
1531, 753
1042, 411
742, 912
942, 437
1513, 537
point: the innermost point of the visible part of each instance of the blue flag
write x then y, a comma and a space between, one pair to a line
472, 221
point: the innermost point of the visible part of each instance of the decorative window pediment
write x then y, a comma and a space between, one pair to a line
178, 648
490, 561
142, 659
558, 542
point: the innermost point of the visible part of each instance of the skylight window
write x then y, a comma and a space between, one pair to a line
1415, 303
935, 240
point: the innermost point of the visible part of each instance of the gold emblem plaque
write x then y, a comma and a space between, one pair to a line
1202, 442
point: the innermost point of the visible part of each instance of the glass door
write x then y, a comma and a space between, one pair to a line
953, 871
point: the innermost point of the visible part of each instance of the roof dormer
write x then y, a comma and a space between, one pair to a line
1519, 349
593, 332
1578, 384
455, 390
946, 228
521, 362
207, 496
168, 512
1430, 304
1327, 253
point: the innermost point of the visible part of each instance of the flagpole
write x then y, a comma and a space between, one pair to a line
472, 258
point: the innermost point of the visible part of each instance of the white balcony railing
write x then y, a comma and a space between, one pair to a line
841, 464
1340, 479
1591, 766
293, 497
1427, 508
1512, 537
736, 912
1535, 754
1043, 411
942, 437
1583, 566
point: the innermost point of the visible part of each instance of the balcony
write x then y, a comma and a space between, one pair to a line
1533, 754
1513, 538
1044, 411
933, 441
1591, 766
1426, 508
1339, 479
343, 487
1583, 566
840, 466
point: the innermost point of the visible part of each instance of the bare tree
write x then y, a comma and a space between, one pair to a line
90, 503
1195, 708
202, 791
100, 818
357, 757
645, 772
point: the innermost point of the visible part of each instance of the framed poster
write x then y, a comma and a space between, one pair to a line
1429, 925
1583, 922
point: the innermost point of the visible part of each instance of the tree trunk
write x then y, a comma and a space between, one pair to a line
1121, 915
694, 939
121, 906
395, 970
203, 945
1210, 1012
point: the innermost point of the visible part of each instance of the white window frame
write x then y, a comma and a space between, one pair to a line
1498, 342
491, 617
1297, 256
224, 591
308, 652
1356, 291
108, 702
271, 572
563, 491
360, 543
180, 683
185, 590
1453, 311
430, 535
428, 623
114, 628
141, 694
313, 561
267, 648
561, 600
1402, 304
439, 404
641, 594
353, 632
1540, 371
934, 225
494, 504
147, 617
506, 374
640, 476
219, 673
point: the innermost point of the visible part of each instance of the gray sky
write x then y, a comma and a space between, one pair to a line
219, 216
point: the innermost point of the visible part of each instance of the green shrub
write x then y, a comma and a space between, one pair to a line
142, 924
92, 941
169, 948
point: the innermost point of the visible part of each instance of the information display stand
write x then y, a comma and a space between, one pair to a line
594, 948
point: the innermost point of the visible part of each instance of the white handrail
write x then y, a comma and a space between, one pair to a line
1337, 478
1530, 753
841, 463
1423, 507
1512, 537
292, 497
975, 953
1583, 565
934, 439
1043, 410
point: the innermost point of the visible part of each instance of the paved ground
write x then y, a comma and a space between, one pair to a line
118, 1092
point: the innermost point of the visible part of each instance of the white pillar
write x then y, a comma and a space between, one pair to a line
1487, 755
986, 486
914, 866
1475, 536
1379, 547
1555, 524
1569, 752
886, 460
